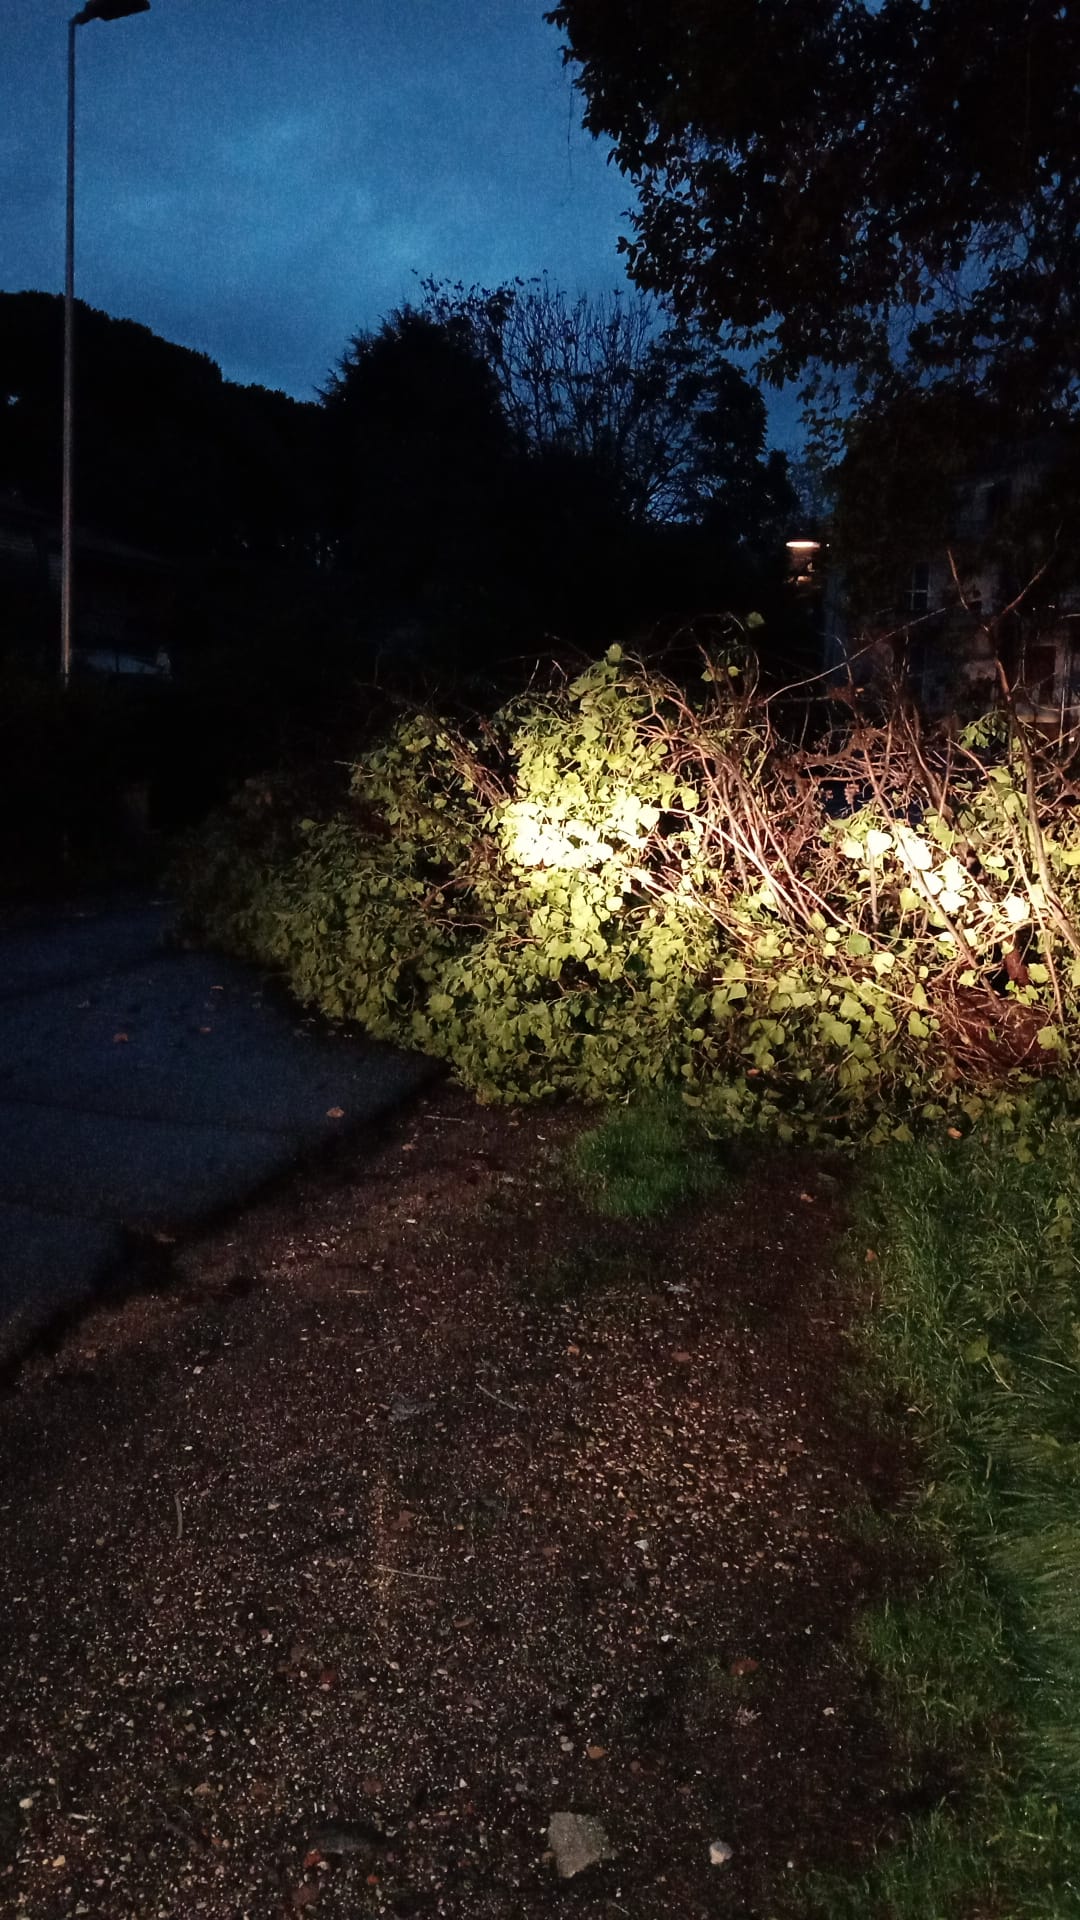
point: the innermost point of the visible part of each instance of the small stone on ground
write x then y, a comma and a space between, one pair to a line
577, 1842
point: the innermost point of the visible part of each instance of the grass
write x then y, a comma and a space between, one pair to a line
978, 1321
645, 1159
975, 1660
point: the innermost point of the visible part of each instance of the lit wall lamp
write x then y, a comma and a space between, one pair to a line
803, 558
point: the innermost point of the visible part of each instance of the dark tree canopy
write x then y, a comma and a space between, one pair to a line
419, 449
854, 185
168, 455
661, 420
487, 472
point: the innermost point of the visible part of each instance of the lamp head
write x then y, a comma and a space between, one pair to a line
110, 10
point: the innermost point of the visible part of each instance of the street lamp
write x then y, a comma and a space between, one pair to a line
93, 10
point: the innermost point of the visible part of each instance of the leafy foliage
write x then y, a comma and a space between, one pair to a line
784, 196
619, 886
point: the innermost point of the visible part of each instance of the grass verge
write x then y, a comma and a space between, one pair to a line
977, 1322
644, 1159
975, 1336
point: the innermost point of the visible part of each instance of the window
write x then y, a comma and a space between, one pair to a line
1040, 663
918, 593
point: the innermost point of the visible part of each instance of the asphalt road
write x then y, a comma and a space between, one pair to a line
144, 1088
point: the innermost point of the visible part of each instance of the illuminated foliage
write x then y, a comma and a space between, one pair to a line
619, 885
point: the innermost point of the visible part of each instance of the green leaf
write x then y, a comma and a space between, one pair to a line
834, 1030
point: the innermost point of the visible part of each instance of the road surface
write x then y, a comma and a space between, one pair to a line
144, 1088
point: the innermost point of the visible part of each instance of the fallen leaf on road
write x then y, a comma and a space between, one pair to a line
117, 1037
739, 1667
206, 1029
335, 1113
596, 1753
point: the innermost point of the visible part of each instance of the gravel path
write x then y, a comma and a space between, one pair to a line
418, 1508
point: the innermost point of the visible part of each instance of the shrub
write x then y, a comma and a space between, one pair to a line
619, 886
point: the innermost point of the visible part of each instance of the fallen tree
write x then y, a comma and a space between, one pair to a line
628, 881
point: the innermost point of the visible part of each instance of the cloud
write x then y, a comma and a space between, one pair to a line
262, 194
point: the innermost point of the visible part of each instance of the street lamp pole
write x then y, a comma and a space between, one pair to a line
94, 10
69, 374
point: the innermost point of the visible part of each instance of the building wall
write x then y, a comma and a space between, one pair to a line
936, 633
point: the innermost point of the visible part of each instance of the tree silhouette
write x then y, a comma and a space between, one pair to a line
854, 187
168, 455
418, 450
677, 429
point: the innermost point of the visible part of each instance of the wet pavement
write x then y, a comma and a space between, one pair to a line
145, 1088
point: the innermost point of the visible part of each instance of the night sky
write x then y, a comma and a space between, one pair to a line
259, 179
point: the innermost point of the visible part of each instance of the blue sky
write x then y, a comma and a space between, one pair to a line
261, 179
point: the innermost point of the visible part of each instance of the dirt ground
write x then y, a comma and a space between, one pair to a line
420, 1504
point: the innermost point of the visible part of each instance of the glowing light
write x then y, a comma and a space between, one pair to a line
549, 836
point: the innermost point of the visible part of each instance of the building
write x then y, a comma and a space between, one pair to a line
124, 606
964, 607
